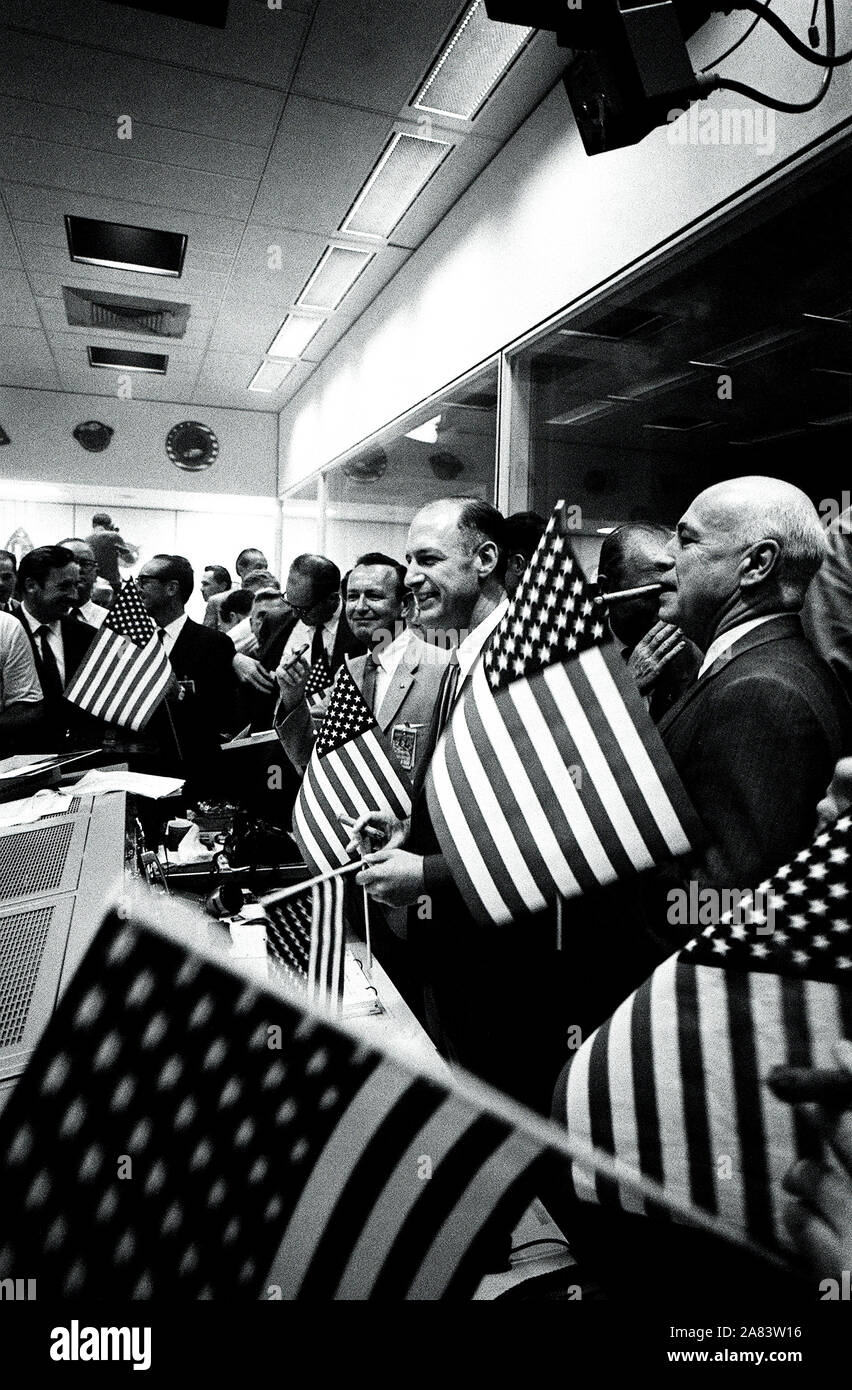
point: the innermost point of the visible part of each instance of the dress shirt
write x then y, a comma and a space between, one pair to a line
468, 650
92, 613
727, 639
243, 638
171, 632
19, 682
387, 661
54, 639
303, 636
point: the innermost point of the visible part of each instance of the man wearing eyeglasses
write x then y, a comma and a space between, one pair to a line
85, 609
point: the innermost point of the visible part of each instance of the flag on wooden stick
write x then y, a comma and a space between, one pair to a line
352, 770
125, 673
551, 778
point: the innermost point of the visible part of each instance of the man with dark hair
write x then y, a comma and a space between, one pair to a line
234, 608
521, 535
185, 733
215, 583
248, 560
109, 548
661, 660
85, 609
8, 580
47, 583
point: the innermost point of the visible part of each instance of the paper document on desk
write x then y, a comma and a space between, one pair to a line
27, 809
140, 783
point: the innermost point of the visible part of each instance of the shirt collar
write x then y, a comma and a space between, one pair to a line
35, 623
389, 657
175, 627
468, 650
725, 640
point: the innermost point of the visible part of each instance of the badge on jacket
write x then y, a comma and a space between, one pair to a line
404, 744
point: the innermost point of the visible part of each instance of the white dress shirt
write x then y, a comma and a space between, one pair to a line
171, 632
19, 683
727, 639
303, 636
387, 661
93, 613
468, 650
54, 639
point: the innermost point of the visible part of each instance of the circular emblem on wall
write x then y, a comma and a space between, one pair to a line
192, 446
93, 435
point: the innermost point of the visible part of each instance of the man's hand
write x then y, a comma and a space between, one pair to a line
820, 1221
838, 798
250, 672
653, 652
375, 827
292, 677
393, 876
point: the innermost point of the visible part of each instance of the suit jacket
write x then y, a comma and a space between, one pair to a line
410, 700
63, 726
261, 708
755, 742
200, 717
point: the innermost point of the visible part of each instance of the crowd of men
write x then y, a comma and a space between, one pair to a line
754, 713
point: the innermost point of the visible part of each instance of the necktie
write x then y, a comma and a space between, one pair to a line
317, 646
161, 634
50, 677
368, 690
75, 613
447, 697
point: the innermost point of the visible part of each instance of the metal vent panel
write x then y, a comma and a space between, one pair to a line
406, 166
32, 948
153, 318
43, 858
477, 56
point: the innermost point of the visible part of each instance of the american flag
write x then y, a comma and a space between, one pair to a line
551, 778
317, 683
306, 939
125, 673
273, 1155
673, 1084
352, 770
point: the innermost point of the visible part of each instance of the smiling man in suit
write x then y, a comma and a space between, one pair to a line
756, 737
399, 676
48, 578
188, 727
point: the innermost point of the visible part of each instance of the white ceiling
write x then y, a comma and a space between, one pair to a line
256, 135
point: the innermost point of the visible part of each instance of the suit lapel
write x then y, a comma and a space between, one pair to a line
402, 682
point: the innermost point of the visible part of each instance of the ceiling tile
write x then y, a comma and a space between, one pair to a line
25, 359
17, 305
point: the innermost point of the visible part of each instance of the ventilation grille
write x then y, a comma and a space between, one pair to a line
334, 277
472, 64
34, 860
22, 941
153, 318
404, 169
70, 810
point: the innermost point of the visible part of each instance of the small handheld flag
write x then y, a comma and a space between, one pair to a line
125, 673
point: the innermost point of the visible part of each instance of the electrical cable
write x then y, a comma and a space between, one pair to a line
713, 81
822, 60
741, 40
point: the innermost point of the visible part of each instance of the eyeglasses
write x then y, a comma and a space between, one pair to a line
296, 607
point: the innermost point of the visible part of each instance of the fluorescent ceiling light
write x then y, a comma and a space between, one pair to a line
123, 360
270, 375
468, 69
427, 433
294, 335
405, 167
120, 246
336, 273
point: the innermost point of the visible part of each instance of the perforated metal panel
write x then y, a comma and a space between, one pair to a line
23, 936
406, 166
41, 858
33, 939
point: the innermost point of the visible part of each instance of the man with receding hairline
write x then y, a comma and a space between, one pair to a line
756, 737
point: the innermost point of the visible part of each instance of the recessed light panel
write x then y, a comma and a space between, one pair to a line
119, 246
122, 360
293, 336
270, 375
473, 62
406, 166
334, 277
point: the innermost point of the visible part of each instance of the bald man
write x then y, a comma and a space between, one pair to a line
756, 738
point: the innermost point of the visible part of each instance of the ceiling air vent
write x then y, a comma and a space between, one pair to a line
155, 318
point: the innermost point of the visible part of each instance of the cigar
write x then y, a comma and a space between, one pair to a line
619, 595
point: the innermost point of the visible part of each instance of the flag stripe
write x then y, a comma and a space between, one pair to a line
460, 848
363, 1185
313, 805
399, 1194
381, 765
722, 1162
696, 1120
437, 1198
313, 850
364, 1116
600, 1100
659, 1095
